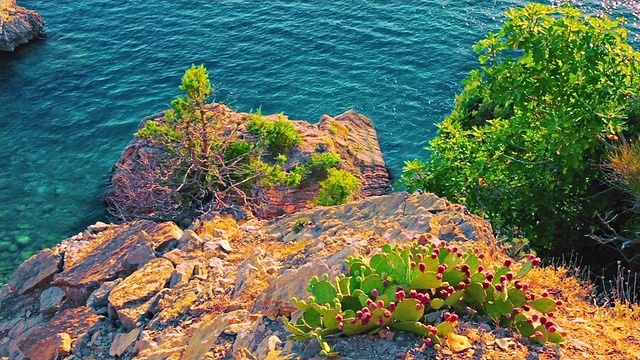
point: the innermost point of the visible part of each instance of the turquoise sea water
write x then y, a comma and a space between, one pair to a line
69, 104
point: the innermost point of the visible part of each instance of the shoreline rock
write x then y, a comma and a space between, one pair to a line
18, 25
350, 135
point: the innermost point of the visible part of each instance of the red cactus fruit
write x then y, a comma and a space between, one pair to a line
439, 276
443, 243
442, 268
534, 317
419, 257
558, 302
339, 317
353, 320
517, 310
552, 329
422, 267
400, 295
485, 284
387, 313
503, 278
340, 325
392, 306
545, 294
459, 254
480, 268
489, 276
465, 268
375, 292
481, 256
380, 303
539, 335
499, 287
434, 256
509, 276
543, 320
379, 321
385, 283
507, 263
419, 306
526, 307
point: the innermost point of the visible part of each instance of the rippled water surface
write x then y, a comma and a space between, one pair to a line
70, 103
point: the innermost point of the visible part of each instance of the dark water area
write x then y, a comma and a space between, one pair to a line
71, 102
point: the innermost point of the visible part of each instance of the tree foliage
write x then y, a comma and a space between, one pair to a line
524, 142
208, 163
339, 187
203, 157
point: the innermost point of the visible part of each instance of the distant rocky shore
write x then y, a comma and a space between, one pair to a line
18, 25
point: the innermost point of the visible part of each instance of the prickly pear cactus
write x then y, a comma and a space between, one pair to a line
399, 286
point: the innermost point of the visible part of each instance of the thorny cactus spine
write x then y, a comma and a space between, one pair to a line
399, 286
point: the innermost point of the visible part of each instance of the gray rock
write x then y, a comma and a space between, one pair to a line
51, 299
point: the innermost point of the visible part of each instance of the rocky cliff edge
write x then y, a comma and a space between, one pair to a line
17, 25
146, 290
350, 135
219, 290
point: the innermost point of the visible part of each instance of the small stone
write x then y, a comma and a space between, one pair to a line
141, 255
224, 244
389, 335
98, 227
64, 343
401, 355
122, 342
447, 229
51, 299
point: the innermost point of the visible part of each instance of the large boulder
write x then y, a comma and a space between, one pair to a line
17, 25
350, 135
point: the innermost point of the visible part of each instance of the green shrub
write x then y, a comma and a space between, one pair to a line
337, 188
401, 285
301, 224
522, 144
279, 136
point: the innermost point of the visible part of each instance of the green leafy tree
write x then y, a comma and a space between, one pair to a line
524, 142
207, 163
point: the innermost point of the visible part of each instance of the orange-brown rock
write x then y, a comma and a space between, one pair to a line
101, 260
34, 270
46, 342
17, 25
132, 297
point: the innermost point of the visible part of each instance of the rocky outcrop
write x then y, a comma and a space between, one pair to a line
350, 135
217, 290
17, 25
